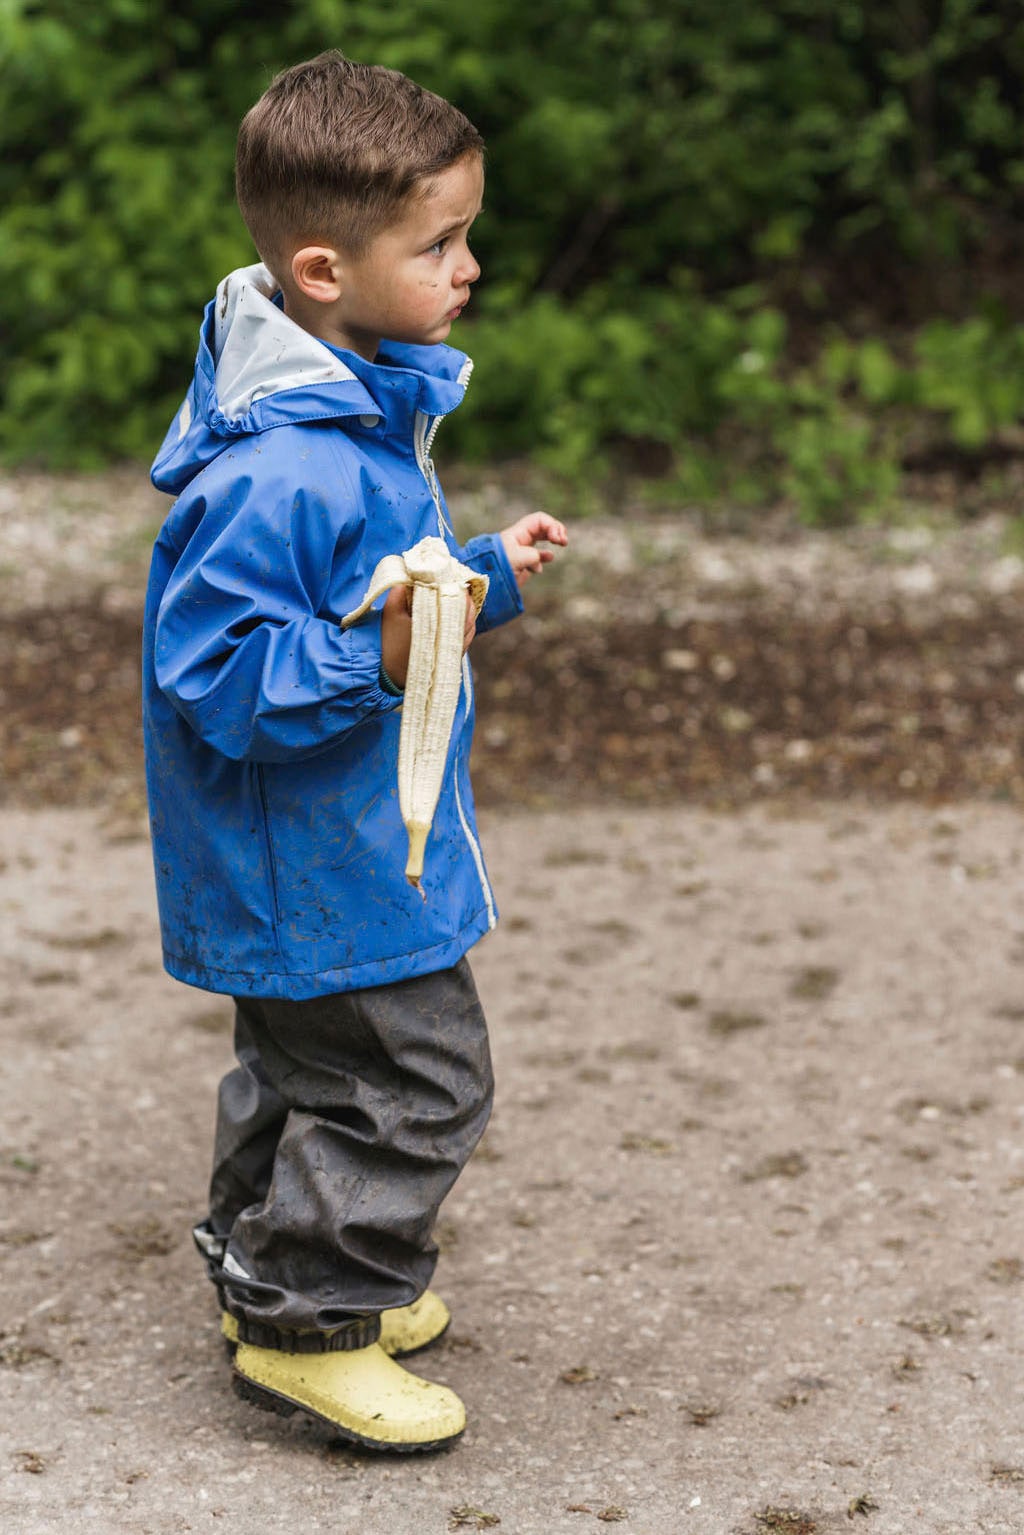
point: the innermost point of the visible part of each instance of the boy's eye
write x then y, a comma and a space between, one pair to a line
437, 248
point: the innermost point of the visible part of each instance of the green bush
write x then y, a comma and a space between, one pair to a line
664, 177
714, 384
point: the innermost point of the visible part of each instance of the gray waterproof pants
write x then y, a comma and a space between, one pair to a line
339, 1133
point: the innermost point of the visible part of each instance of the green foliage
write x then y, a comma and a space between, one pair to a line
713, 383
663, 178
974, 374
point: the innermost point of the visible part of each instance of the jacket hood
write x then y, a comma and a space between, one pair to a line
256, 369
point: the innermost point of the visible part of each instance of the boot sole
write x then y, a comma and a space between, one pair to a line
286, 1406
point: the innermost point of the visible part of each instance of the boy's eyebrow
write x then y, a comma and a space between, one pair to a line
442, 234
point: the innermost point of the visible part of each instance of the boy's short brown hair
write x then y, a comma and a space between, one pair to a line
332, 149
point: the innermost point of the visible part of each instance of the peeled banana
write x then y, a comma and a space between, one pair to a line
439, 585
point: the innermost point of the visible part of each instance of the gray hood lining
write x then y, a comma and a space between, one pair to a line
258, 350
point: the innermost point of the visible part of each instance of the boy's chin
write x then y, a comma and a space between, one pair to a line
432, 337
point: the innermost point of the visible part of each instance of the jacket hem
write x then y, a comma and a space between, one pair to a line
300, 986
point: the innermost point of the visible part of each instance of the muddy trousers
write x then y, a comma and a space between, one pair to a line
340, 1131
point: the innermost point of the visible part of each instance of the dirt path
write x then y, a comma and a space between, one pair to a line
742, 1246
743, 1250
658, 661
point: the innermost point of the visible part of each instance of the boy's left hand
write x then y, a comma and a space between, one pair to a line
521, 539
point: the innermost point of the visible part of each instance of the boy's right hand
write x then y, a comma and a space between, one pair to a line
396, 632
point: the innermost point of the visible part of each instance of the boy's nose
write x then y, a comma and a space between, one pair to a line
470, 269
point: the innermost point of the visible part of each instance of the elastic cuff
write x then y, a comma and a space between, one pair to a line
359, 1333
487, 554
389, 685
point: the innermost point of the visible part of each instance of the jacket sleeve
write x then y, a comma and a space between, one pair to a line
243, 648
504, 601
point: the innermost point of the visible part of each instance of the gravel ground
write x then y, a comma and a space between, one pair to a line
741, 1248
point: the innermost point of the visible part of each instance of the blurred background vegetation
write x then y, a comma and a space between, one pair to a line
740, 251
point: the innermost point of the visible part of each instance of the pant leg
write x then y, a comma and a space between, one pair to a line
251, 1116
387, 1091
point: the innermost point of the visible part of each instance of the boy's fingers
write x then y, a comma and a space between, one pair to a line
536, 525
398, 600
550, 528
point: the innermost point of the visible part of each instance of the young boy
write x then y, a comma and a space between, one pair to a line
300, 457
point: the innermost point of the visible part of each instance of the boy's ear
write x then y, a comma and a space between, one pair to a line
316, 273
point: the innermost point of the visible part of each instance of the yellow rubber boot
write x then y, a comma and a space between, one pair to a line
406, 1329
403, 1330
363, 1395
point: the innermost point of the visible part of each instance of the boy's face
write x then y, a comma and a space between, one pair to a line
413, 279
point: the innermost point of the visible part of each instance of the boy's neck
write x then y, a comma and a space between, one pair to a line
318, 321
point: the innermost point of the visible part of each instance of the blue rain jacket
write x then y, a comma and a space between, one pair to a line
271, 747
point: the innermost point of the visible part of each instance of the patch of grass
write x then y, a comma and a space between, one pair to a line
578, 1375
613, 928
31, 1461
814, 983
862, 1504
1005, 1271
933, 1325
446, 1235
23, 1236
784, 1164
462, 1343
105, 938
585, 955
54, 977
785, 1521
725, 1022
145, 1238
573, 857
801, 1391
906, 1367
15, 1353
1008, 1474
466, 1516
648, 1143
553, 1058
634, 1050
214, 1020
517, 924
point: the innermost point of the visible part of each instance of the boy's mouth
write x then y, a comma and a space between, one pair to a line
453, 314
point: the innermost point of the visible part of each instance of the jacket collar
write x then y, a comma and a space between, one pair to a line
403, 380
256, 369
